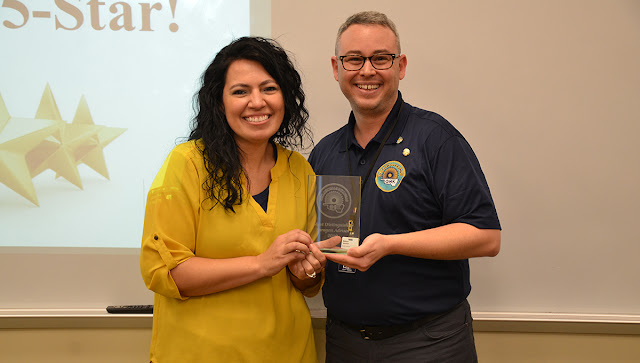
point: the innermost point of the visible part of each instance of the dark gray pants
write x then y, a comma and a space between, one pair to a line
448, 338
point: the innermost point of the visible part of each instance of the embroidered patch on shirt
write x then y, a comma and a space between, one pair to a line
390, 175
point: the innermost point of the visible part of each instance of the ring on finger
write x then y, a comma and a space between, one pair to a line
311, 275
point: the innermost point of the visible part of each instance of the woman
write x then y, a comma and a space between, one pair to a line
225, 246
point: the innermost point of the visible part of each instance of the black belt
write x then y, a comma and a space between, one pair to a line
387, 331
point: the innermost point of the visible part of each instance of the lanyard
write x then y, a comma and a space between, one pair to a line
384, 141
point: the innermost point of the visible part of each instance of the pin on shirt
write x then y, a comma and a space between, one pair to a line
406, 151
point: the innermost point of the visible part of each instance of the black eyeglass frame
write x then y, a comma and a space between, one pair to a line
364, 60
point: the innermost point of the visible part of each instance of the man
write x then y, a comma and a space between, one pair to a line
426, 209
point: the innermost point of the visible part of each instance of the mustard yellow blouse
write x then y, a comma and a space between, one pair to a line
264, 321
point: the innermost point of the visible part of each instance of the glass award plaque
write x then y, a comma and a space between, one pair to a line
335, 209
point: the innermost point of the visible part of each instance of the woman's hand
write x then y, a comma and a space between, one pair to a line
309, 267
307, 272
199, 276
286, 249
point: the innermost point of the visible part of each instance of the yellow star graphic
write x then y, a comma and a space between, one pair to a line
17, 137
30, 146
91, 153
56, 152
80, 141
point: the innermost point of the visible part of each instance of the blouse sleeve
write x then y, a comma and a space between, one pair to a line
170, 221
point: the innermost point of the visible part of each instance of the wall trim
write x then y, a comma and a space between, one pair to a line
483, 321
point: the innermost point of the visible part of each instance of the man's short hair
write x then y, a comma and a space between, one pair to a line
368, 18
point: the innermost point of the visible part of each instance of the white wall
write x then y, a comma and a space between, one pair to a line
546, 93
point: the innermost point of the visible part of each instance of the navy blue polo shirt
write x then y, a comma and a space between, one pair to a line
426, 176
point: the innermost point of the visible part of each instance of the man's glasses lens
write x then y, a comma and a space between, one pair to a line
356, 62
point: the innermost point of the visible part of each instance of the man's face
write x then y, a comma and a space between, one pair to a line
371, 92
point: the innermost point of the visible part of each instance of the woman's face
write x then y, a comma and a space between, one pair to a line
253, 102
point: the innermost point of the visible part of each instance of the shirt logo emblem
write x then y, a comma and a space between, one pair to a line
390, 175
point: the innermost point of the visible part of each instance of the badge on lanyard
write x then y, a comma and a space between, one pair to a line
345, 269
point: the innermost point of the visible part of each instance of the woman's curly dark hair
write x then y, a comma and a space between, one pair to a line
219, 149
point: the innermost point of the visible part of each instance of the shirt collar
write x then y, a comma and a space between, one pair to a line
351, 139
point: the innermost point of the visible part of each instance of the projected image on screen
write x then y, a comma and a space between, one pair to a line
93, 95
47, 142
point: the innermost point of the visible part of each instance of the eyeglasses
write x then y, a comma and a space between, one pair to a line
378, 61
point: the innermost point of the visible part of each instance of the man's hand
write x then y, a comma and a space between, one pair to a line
364, 256
329, 242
